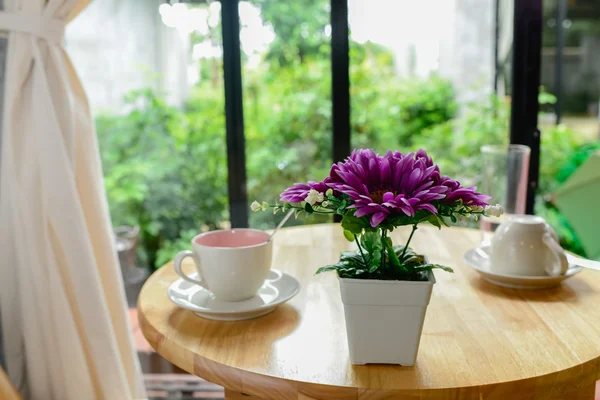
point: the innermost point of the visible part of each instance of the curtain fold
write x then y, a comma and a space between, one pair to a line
64, 314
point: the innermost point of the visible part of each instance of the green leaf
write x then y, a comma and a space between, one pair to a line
374, 267
327, 268
387, 242
410, 257
372, 245
429, 267
308, 208
393, 257
349, 236
371, 241
347, 273
434, 220
353, 259
452, 218
342, 207
442, 220
351, 265
354, 225
443, 267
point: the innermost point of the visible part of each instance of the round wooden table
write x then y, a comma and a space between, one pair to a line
479, 341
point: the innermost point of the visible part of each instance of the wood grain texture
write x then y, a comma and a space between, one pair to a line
479, 341
7, 390
231, 395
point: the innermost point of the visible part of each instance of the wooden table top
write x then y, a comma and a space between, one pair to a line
479, 341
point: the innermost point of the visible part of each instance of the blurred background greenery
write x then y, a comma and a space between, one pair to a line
165, 167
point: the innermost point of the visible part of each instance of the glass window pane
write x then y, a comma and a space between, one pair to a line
424, 79
153, 74
287, 98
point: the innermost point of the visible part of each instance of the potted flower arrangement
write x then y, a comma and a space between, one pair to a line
385, 288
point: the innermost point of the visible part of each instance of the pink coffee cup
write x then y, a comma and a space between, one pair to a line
232, 264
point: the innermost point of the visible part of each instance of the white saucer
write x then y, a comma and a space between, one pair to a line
277, 289
479, 260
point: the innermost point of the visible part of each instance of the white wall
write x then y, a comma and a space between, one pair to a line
467, 54
452, 37
120, 45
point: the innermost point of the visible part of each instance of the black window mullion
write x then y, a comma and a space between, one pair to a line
234, 114
496, 44
340, 80
527, 39
561, 15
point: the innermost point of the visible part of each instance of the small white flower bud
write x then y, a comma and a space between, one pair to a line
494, 211
314, 197
255, 206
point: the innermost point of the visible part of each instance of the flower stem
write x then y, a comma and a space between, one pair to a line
408, 241
383, 247
319, 212
360, 249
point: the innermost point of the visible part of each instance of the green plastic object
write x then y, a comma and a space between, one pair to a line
577, 200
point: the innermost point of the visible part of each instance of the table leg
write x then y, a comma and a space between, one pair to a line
231, 395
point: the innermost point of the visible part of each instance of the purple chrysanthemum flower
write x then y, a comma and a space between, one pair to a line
468, 196
383, 185
391, 184
455, 192
298, 192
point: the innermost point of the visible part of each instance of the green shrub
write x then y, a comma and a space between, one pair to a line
390, 113
575, 159
558, 145
456, 145
164, 169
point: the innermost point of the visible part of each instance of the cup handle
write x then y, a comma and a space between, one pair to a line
552, 243
177, 264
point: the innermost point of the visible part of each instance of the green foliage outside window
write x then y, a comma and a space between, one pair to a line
165, 168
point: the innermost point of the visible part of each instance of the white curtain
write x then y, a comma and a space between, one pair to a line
64, 317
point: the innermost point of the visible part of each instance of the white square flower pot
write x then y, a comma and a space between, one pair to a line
384, 319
